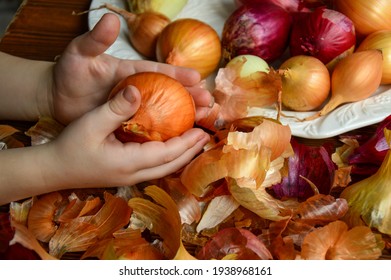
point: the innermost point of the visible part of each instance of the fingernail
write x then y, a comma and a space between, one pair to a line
128, 94
203, 137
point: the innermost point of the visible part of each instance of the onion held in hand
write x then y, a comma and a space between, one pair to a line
305, 83
166, 110
190, 43
257, 29
324, 33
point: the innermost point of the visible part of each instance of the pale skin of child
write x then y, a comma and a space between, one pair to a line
74, 91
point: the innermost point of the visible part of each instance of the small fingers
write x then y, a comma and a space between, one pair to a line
169, 167
202, 97
186, 76
154, 154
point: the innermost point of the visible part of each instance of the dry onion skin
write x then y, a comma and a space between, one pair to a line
380, 40
305, 83
336, 242
166, 110
41, 218
190, 43
246, 81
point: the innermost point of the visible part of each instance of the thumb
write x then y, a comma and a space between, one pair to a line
99, 39
118, 109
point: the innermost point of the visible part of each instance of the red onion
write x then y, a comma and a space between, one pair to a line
260, 30
288, 5
312, 162
324, 33
291, 5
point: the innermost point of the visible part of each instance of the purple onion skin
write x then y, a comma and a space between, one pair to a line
261, 30
323, 33
311, 162
289, 5
368, 157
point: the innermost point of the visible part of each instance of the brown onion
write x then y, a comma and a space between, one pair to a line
355, 78
166, 110
144, 28
380, 40
305, 83
367, 15
190, 43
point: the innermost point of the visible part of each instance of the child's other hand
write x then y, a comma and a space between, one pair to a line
84, 75
89, 155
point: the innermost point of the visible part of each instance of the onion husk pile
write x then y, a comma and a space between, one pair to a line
228, 213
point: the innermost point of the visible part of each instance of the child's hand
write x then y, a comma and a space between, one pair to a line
84, 75
87, 154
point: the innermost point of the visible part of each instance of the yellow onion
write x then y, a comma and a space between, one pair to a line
354, 78
305, 83
190, 43
169, 8
144, 28
166, 110
249, 64
367, 15
380, 40
370, 199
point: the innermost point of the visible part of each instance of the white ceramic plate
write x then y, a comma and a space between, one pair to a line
214, 12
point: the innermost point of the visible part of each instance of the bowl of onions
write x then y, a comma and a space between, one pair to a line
166, 110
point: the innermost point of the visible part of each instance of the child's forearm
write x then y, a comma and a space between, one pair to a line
27, 172
25, 88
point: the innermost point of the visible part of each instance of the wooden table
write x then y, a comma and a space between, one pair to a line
41, 29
